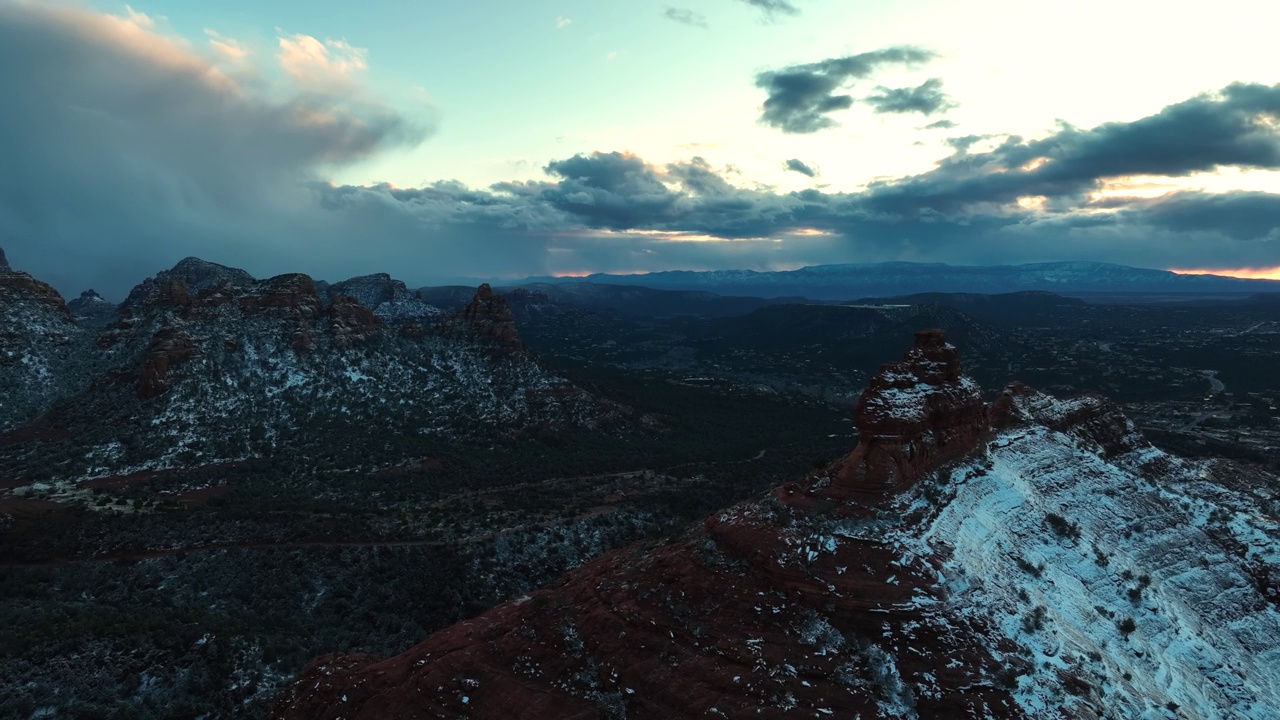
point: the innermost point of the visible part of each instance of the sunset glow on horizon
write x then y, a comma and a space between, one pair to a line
1271, 273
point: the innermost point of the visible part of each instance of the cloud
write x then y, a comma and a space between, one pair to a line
801, 97
943, 124
563, 22
926, 99
314, 63
773, 8
685, 16
1008, 204
227, 47
122, 149
795, 165
1238, 126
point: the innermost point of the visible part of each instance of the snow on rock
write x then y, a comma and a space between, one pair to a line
42, 349
205, 364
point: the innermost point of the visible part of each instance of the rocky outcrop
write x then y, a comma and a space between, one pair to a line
92, 310
19, 287
39, 362
292, 296
915, 414
531, 305
372, 290
488, 317
351, 322
168, 347
4, 261
193, 275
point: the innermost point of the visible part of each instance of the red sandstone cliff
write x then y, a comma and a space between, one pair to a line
915, 414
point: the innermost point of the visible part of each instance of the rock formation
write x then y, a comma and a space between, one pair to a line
92, 310
488, 317
20, 287
351, 322
194, 275
38, 346
915, 413
372, 290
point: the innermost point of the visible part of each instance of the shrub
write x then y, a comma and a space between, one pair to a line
1027, 567
1062, 526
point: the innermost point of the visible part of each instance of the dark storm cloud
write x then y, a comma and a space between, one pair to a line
926, 99
1239, 215
962, 143
774, 7
685, 16
1236, 127
801, 97
609, 190
795, 165
121, 150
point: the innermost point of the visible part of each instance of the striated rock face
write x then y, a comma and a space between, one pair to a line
915, 413
350, 322
19, 287
487, 316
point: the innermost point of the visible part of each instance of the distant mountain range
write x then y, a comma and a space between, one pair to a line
846, 282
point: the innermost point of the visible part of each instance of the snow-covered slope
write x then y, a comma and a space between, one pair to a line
1060, 545
43, 352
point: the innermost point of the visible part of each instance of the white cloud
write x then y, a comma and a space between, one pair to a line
318, 64
226, 47
563, 22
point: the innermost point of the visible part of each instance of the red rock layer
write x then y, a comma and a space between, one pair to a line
350, 322
293, 300
915, 414
733, 621
19, 286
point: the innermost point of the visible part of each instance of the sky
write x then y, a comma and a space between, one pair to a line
508, 138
